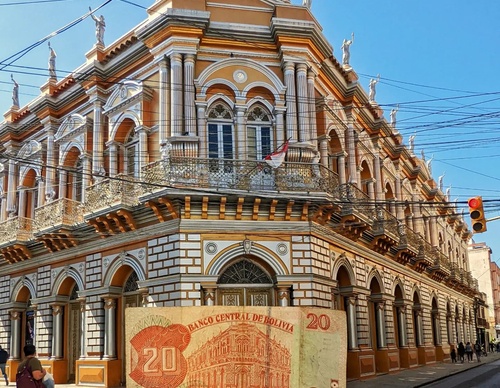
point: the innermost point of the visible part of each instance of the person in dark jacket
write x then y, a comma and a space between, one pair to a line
4, 356
461, 352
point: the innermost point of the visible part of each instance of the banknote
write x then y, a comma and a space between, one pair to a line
235, 347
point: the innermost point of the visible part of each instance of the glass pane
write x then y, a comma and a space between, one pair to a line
265, 134
227, 141
252, 143
213, 141
244, 272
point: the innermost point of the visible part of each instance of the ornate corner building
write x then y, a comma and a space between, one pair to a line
139, 180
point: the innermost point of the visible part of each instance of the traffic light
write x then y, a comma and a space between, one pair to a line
476, 212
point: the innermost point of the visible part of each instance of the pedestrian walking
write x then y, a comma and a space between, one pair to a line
468, 351
461, 352
478, 351
453, 355
4, 356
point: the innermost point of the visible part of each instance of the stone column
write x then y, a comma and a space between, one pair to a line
303, 104
380, 317
284, 296
370, 184
341, 168
351, 152
240, 130
143, 148
109, 328
291, 108
40, 186
83, 318
352, 333
311, 78
50, 174
11, 189
433, 231
323, 150
22, 201
209, 296
63, 180
98, 142
164, 102
113, 158
189, 95
86, 173
57, 332
417, 215
202, 129
176, 99
379, 195
418, 327
15, 335
279, 113
3, 206
403, 336
399, 199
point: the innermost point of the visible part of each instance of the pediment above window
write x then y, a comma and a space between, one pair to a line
72, 127
30, 150
126, 96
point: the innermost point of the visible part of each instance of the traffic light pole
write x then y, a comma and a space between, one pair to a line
493, 219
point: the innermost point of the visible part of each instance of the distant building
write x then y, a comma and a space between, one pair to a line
495, 283
140, 179
481, 268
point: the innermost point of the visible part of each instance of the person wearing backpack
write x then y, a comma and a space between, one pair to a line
478, 351
30, 372
468, 351
4, 356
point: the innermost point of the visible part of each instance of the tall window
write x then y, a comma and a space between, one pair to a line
220, 137
259, 134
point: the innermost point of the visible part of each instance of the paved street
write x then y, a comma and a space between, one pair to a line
422, 376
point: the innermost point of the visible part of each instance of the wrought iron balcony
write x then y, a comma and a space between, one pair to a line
111, 193
15, 233
426, 257
16, 230
62, 213
441, 267
357, 211
385, 230
248, 175
409, 246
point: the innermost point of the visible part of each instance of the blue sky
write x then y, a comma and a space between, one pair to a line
437, 59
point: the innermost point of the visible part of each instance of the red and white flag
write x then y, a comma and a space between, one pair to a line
278, 157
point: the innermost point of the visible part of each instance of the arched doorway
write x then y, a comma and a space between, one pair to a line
246, 282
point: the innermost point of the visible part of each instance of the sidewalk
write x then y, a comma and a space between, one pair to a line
421, 376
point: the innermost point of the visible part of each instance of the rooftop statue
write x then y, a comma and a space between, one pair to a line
346, 54
15, 92
52, 63
100, 26
373, 83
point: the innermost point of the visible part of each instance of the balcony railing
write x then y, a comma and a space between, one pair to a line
238, 175
355, 200
63, 212
120, 190
16, 229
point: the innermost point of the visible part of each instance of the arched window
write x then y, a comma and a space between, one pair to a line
220, 132
245, 283
259, 134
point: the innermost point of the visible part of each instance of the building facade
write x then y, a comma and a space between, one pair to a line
481, 268
139, 180
495, 283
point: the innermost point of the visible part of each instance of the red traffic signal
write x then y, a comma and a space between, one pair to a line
476, 213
